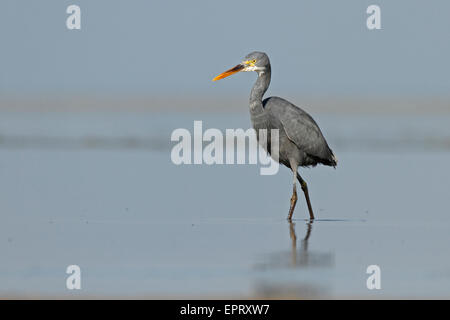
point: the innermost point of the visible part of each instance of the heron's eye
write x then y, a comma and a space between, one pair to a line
253, 61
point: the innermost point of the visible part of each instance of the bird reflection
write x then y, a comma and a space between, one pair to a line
302, 258
301, 261
298, 257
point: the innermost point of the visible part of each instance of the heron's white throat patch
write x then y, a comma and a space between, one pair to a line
254, 68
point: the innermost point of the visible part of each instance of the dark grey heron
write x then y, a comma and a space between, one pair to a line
301, 143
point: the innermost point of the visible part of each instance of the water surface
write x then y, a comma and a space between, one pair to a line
99, 190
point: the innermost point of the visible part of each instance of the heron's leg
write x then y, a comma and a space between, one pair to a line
294, 194
305, 191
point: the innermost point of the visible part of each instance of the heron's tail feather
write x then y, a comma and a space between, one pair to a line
334, 159
330, 160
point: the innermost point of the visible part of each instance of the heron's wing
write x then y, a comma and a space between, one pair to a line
299, 127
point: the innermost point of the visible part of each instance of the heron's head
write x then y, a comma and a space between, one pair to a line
255, 61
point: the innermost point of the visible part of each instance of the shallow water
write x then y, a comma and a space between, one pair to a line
99, 190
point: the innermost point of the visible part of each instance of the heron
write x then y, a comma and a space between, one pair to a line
301, 142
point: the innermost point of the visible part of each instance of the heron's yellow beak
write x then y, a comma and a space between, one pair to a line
229, 72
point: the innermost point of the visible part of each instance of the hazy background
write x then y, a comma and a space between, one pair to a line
86, 176
317, 48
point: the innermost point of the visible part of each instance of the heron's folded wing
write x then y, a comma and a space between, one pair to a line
300, 128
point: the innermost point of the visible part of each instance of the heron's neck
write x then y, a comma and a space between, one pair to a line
258, 90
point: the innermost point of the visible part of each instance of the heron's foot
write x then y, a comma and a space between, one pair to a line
291, 209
